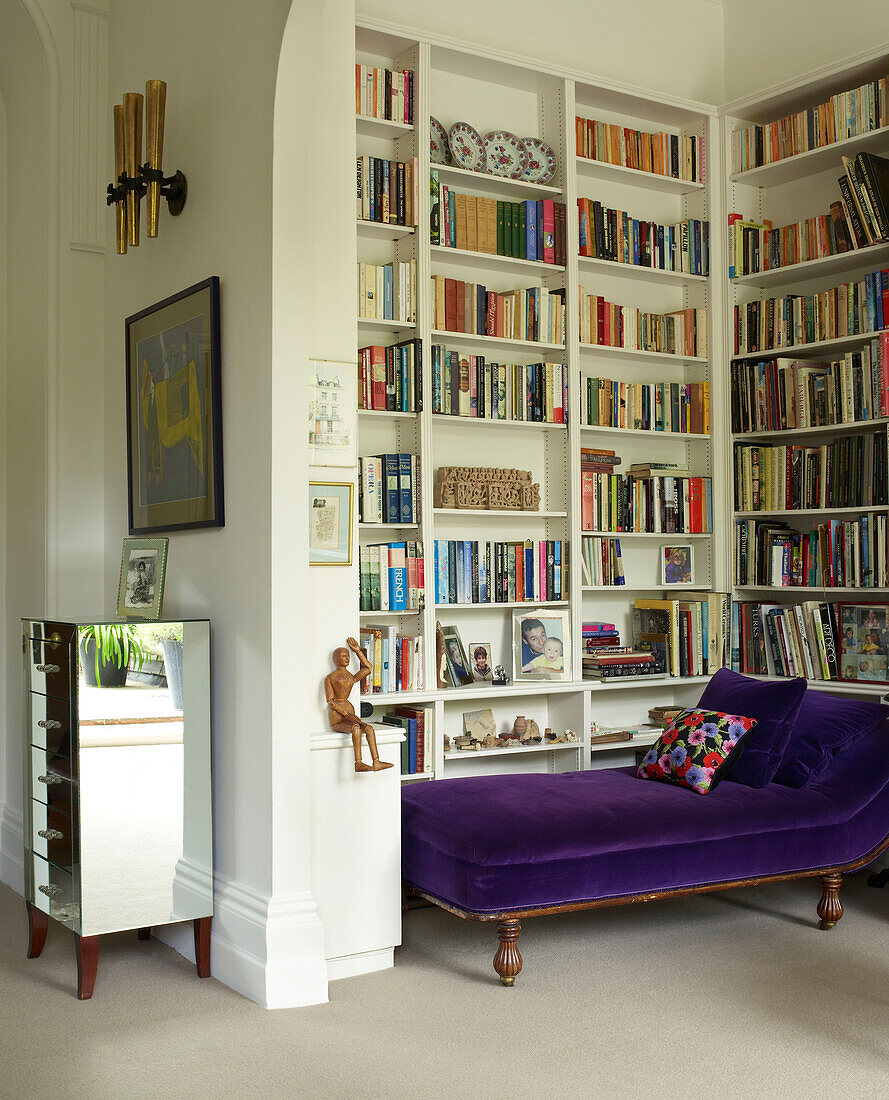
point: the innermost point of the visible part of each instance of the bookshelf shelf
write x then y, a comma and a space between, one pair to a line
630, 682
605, 351
836, 685
385, 414
445, 419
812, 161
382, 325
417, 778
806, 351
386, 614
386, 526
622, 588
637, 272
688, 437
803, 433
464, 257
468, 339
643, 741
672, 536
383, 230
812, 589
829, 512
486, 513
483, 181
456, 754
368, 126
499, 606
634, 177
858, 259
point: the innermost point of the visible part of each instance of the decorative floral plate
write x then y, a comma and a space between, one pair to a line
467, 148
507, 155
439, 153
541, 161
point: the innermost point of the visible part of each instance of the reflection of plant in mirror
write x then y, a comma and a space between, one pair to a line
152, 634
119, 644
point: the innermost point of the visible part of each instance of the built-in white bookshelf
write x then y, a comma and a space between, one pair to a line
787, 191
455, 82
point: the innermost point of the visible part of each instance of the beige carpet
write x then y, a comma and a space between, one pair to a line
731, 995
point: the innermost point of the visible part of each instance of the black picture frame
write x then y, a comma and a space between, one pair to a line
174, 413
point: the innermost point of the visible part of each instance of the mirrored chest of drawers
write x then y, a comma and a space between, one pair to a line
118, 815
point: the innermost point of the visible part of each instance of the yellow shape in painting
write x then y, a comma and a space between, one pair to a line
178, 404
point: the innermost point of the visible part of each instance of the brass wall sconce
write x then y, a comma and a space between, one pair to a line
134, 180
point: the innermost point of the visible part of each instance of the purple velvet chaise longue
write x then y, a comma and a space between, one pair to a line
812, 799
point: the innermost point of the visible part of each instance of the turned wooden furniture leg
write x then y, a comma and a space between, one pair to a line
144, 933
38, 923
202, 946
508, 961
87, 951
830, 908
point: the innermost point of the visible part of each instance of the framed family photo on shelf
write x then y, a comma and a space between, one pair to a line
864, 642
481, 662
458, 664
330, 523
541, 644
676, 565
143, 568
174, 413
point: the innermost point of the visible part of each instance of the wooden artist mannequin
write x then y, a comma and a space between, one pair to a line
340, 712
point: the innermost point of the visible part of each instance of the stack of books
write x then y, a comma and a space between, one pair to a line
616, 235
603, 735
780, 640
602, 563
680, 332
530, 230
844, 310
791, 393
597, 635
481, 572
686, 636
388, 292
416, 749
837, 554
646, 406
468, 385
536, 314
665, 154
849, 472
389, 488
391, 379
660, 499
620, 663
844, 115
661, 717
391, 576
387, 190
397, 660
384, 93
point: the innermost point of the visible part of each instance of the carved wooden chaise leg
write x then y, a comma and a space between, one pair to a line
830, 908
508, 961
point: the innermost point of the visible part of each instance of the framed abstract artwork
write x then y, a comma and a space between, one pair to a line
174, 413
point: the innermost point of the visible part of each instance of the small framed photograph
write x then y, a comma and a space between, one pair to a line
330, 523
676, 565
541, 644
864, 642
333, 416
481, 663
143, 566
458, 665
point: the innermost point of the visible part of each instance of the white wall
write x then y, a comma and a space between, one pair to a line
771, 41
673, 46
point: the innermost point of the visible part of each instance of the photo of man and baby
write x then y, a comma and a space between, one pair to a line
541, 650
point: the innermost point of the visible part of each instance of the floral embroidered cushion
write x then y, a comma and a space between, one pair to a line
697, 749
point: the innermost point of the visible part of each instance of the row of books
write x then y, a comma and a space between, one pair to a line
389, 488
844, 310
417, 757
391, 576
388, 291
665, 154
680, 332
536, 314
387, 190
530, 230
396, 658
865, 191
384, 93
646, 406
849, 472
837, 554
786, 640
390, 379
602, 562
657, 504
844, 115
789, 393
616, 235
482, 572
686, 635
468, 385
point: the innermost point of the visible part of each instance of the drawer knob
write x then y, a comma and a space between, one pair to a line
51, 891
50, 780
50, 834
49, 724
48, 669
